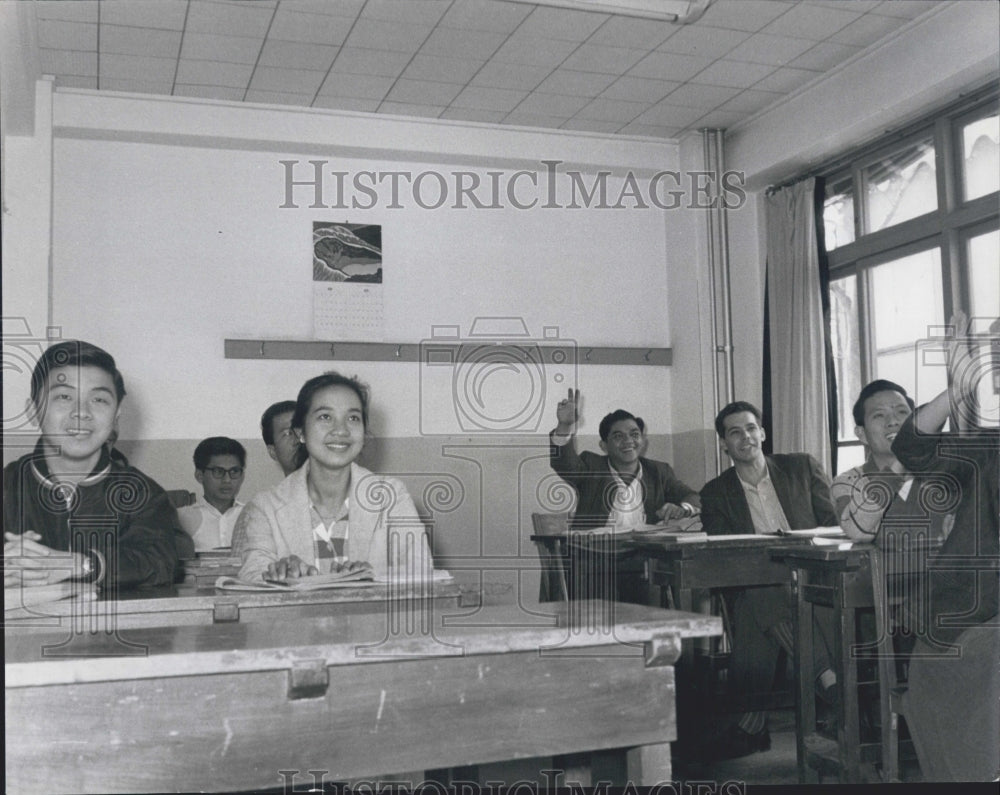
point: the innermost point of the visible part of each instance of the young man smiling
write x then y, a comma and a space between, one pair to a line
764, 495
71, 510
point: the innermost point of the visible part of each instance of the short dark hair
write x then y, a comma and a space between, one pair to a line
267, 419
617, 416
881, 385
73, 353
737, 407
218, 445
328, 379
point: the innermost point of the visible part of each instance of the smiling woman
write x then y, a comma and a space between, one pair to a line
331, 514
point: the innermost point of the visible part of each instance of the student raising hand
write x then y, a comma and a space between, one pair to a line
568, 412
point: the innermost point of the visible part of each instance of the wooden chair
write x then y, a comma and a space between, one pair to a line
550, 533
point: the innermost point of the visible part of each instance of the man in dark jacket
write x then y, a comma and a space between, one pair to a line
72, 510
621, 489
764, 495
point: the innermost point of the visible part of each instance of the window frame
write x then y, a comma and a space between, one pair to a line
948, 228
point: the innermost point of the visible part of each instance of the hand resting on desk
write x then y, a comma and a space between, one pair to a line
29, 563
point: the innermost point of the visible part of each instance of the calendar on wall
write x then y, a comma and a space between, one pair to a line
347, 281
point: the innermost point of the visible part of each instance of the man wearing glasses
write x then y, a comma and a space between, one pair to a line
219, 464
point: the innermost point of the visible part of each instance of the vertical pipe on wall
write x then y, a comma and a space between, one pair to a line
718, 261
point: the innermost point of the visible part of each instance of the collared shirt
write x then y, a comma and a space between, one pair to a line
208, 527
765, 508
627, 506
330, 542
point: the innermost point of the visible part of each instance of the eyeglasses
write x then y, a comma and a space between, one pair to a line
220, 472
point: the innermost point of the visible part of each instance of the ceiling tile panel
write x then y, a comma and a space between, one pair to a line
211, 73
606, 60
736, 74
552, 104
493, 99
560, 23
579, 124
81, 11
812, 21
495, 74
785, 79
708, 42
667, 66
213, 47
68, 62
228, 19
423, 92
162, 14
639, 89
696, 95
292, 81
867, 30
311, 28
59, 35
137, 86
378, 34
442, 70
911, 9
463, 43
339, 84
410, 12
534, 51
774, 50
140, 41
338, 8
748, 15
666, 115
824, 55
751, 100
297, 55
385, 63
612, 110
631, 32
485, 15
575, 84
136, 67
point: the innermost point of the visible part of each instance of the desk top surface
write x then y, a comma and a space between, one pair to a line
54, 658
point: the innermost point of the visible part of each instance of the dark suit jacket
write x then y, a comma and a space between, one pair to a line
803, 490
590, 475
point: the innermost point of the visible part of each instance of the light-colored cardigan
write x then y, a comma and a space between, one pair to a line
277, 523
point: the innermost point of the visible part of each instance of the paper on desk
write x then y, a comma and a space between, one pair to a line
839, 543
17, 597
402, 577
815, 531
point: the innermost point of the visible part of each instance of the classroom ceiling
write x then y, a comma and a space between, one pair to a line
492, 61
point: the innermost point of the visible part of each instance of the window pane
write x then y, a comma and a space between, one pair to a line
838, 212
980, 147
906, 302
901, 186
846, 349
984, 274
849, 456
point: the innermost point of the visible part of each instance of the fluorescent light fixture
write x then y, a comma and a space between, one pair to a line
681, 12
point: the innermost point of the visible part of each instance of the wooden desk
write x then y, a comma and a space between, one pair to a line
839, 579
187, 605
229, 707
717, 562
